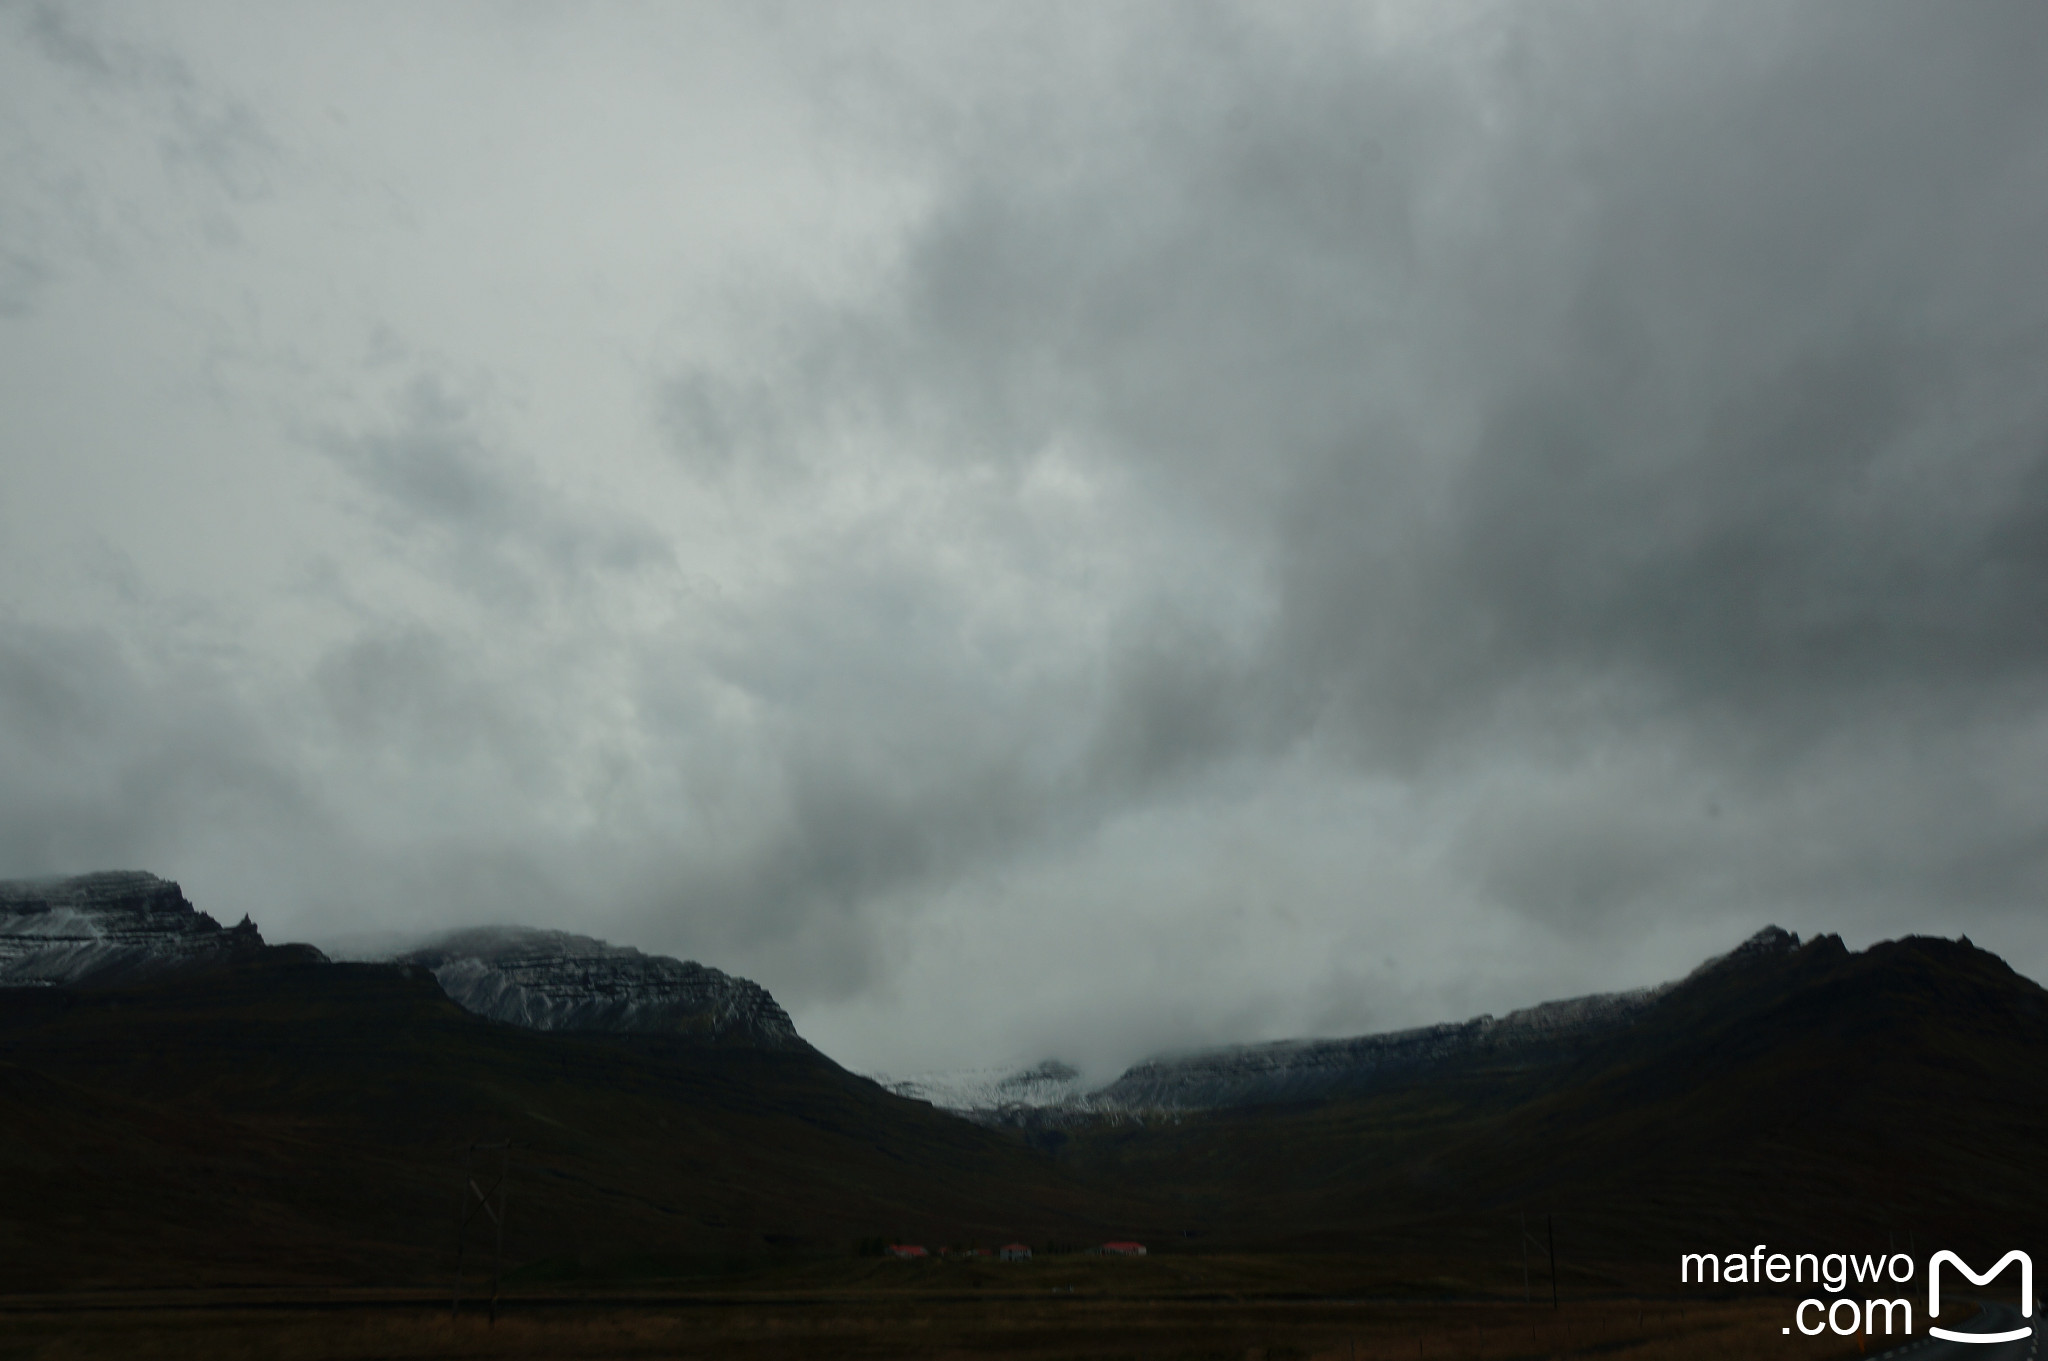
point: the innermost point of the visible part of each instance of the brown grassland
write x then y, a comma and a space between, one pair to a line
1237, 1307
929, 1327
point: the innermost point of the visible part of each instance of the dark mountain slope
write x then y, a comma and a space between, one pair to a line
287, 1120
1804, 1095
266, 1117
1299, 1071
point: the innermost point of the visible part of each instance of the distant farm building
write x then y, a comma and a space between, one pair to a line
1124, 1249
912, 1250
1015, 1252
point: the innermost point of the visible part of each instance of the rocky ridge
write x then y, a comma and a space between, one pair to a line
554, 980
118, 926
1305, 1070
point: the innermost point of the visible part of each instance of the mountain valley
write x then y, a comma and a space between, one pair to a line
224, 1110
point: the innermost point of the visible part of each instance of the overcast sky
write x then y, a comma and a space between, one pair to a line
1037, 529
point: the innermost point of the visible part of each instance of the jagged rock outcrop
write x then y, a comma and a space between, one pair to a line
1765, 944
119, 926
553, 980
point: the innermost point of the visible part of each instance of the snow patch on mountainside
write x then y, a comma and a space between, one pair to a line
122, 926
115, 926
553, 980
1302, 1070
1051, 1083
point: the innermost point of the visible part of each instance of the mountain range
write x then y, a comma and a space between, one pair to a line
182, 1102
1287, 1071
101, 929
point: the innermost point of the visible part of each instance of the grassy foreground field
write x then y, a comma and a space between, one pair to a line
1243, 1308
935, 1328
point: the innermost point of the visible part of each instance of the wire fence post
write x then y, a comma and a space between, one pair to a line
1547, 1244
1525, 1259
1550, 1225
471, 1199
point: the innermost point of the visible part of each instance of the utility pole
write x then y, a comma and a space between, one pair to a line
1550, 1225
1549, 1245
491, 1200
1525, 1259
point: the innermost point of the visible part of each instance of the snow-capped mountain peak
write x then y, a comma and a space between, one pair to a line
555, 980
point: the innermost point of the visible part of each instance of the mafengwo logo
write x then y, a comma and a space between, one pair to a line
2026, 1294
1848, 1315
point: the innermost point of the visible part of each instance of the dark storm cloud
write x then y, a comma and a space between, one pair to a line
1140, 526
1664, 380
1779, 449
885, 757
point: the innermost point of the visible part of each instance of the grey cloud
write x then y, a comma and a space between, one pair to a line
107, 762
406, 689
213, 131
227, 144
1181, 697
1306, 488
62, 40
884, 758
507, 532
1684, 398
22, 277
712, 422
430, 464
